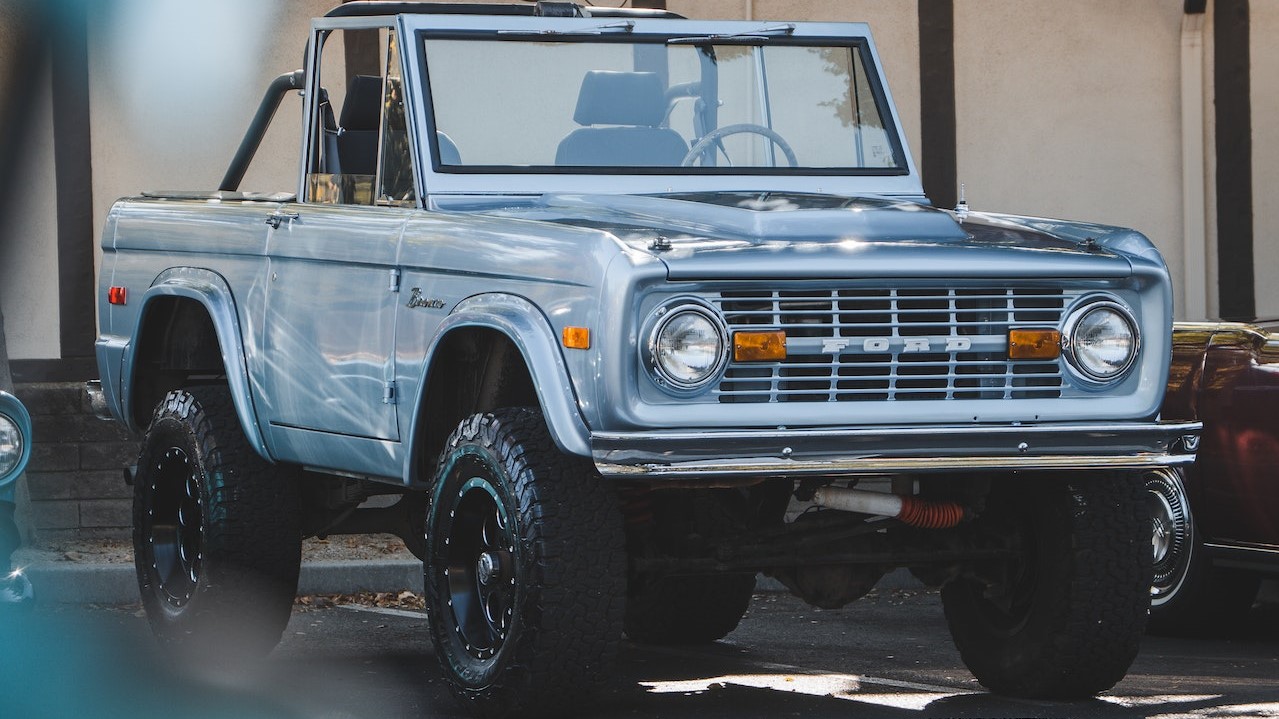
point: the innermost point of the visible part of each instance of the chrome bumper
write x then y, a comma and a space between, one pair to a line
880, 450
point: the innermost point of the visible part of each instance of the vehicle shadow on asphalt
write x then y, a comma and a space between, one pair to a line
341, 663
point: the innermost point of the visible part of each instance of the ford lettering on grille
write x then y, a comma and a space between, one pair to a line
863, 344
879, 345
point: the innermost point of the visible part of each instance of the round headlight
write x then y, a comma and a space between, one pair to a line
687, 347
10, 446
1102, 341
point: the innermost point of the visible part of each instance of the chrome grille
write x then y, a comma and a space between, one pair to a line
861, 345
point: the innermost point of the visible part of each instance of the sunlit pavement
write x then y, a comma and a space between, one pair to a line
888, 655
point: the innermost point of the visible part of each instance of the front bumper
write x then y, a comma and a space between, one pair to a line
839, 452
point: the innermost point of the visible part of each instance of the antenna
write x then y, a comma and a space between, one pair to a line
961, 208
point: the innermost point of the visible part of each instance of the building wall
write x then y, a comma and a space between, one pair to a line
1073, 110
1265, 157
74, 483
176, 124
28, 242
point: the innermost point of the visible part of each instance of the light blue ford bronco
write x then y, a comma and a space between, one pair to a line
599, 300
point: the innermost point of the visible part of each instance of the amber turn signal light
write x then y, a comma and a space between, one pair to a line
117, 295
576, 338
759, 346
1034, 344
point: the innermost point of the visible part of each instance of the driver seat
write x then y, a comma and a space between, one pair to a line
621, 115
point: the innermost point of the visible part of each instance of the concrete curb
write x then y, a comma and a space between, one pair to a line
88, 583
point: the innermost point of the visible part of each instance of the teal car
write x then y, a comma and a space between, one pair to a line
15, 451
15, 443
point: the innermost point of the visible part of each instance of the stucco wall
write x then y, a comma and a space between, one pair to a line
1265, 155
1072, 110
170, 108
29, 240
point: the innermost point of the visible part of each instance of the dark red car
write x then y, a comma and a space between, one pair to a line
1217, 523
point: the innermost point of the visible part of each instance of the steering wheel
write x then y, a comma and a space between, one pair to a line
701, 146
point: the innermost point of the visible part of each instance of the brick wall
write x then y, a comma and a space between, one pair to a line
74, 481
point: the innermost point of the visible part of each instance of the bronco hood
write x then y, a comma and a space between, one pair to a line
741, 235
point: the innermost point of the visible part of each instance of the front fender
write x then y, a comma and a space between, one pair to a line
213, 293
527, 328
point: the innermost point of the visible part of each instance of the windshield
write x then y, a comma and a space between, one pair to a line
609, 105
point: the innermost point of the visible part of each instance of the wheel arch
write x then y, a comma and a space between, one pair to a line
520, 363
187, 325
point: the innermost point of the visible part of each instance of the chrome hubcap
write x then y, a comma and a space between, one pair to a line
1170, 538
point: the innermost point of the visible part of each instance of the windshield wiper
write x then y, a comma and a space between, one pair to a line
625, 26
763, 33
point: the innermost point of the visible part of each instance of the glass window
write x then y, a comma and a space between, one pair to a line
506, 105
396, 177
360, 154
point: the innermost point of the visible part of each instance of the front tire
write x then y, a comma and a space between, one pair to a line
526, 568
1065, 619
216, 536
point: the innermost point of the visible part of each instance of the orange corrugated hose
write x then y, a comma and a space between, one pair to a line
930, 515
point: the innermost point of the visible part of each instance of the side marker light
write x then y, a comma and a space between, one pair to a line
576, 338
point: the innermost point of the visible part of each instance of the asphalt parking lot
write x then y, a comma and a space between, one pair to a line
888, 655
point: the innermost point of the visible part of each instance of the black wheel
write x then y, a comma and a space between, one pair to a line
1065, 619
216, 538
525, 570
685, 609
1189, 596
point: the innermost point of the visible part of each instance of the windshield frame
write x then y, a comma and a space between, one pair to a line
901, 180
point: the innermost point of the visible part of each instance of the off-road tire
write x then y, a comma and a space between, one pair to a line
1068, 622
1190, 596
216, 531
543, 621
686, 609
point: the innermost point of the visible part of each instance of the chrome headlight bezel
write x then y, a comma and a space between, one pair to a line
1077, 361
659, 321
15, 421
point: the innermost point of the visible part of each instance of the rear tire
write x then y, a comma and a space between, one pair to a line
525, 570
216, 534
1066, 620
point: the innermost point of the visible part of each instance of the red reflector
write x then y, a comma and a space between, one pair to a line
117, 295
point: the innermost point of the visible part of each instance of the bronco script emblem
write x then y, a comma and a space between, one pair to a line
417, 300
